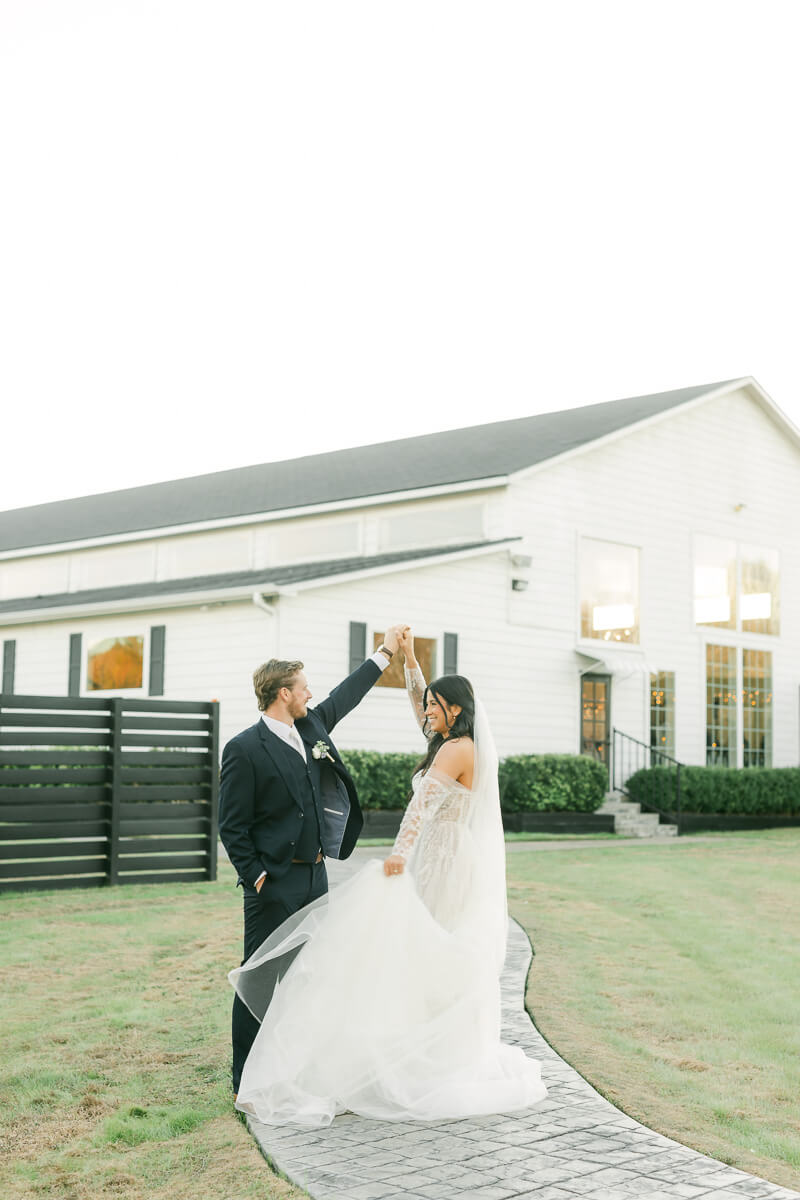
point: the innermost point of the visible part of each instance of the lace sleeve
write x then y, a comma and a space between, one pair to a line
415, 686
428, 796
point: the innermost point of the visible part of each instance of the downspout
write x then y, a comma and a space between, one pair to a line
261, 603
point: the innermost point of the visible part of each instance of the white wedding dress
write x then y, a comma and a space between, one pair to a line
383, 997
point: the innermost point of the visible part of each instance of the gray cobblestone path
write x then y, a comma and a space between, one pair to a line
573, 1146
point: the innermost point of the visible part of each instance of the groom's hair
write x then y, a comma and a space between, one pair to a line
270, 677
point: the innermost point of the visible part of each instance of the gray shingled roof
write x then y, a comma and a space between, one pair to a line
256, 581
435, 459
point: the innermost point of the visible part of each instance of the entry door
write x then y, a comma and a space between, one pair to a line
595, 716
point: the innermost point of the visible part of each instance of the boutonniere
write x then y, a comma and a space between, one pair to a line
321, 750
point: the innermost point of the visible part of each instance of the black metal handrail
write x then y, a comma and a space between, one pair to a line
630, 755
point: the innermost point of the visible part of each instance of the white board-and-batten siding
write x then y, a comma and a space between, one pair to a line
656, 488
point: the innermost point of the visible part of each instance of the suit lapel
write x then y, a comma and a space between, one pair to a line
286, 759
310, 737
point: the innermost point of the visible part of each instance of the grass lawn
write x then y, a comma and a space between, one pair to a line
669, 976
666, 974
115, 1048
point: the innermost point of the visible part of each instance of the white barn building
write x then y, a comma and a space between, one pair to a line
632, 563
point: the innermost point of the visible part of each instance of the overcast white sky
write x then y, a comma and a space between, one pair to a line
234, 231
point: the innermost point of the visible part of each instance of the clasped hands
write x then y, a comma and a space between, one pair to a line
396, 637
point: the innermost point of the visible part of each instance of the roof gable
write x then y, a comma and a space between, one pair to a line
436, 460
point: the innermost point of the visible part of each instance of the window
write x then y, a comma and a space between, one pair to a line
736, 587
34, 576
662, 713
394, 675
721, 706
759, 590
715, 582
115, 565
205, 554
306, 540
428, 526
756, 708
115, 663
609, 591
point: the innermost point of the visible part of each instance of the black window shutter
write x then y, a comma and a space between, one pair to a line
157, 639
75, 640
358, 643
9, 659
450, 654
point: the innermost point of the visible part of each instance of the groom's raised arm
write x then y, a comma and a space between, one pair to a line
352, 690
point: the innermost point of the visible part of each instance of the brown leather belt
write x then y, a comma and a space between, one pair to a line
306, 863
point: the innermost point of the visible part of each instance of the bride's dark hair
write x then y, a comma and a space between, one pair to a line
449, 689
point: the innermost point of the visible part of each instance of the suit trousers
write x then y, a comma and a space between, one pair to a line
264, 911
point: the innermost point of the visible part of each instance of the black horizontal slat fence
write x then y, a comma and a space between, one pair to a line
101, 791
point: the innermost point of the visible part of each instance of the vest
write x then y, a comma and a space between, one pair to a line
309, 843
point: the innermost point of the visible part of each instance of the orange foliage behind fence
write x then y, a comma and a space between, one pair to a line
121, 666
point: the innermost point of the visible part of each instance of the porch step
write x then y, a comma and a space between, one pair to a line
630, 821
618, 806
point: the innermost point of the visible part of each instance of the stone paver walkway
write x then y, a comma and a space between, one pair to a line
573, 1146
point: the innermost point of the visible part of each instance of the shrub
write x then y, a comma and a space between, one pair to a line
528, 783
744, 791
552, 782
382, 780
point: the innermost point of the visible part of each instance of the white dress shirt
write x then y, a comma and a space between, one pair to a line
289, 734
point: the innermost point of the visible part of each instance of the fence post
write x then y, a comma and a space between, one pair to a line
116, 786
213, 830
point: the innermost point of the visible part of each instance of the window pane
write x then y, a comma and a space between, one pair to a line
720, 706
715, 582
757, 708
427, 525
760, 590
394, 675
115, 663
609, 591
662, 712
594, 717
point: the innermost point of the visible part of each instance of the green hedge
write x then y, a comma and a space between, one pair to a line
528, 782
551, 783
382, 780
745, 791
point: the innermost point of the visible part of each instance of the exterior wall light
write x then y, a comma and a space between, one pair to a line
519, 585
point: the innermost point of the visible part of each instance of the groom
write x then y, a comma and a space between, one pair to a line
286, 801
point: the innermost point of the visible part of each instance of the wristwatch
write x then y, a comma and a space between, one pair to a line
384, 650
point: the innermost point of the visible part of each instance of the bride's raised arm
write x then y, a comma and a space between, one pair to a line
415, 680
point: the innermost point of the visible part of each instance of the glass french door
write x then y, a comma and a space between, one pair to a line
596, 716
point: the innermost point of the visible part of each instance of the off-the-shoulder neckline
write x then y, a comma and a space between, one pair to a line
443, 777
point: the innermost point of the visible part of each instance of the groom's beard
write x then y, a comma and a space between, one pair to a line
297, 710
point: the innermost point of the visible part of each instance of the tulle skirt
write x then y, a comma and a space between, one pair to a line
376, 1008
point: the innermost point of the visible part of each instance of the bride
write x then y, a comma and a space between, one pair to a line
392, 1010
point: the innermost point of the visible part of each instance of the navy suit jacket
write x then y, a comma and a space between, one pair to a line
264, 788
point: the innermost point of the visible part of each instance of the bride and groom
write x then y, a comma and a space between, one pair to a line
382, 997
